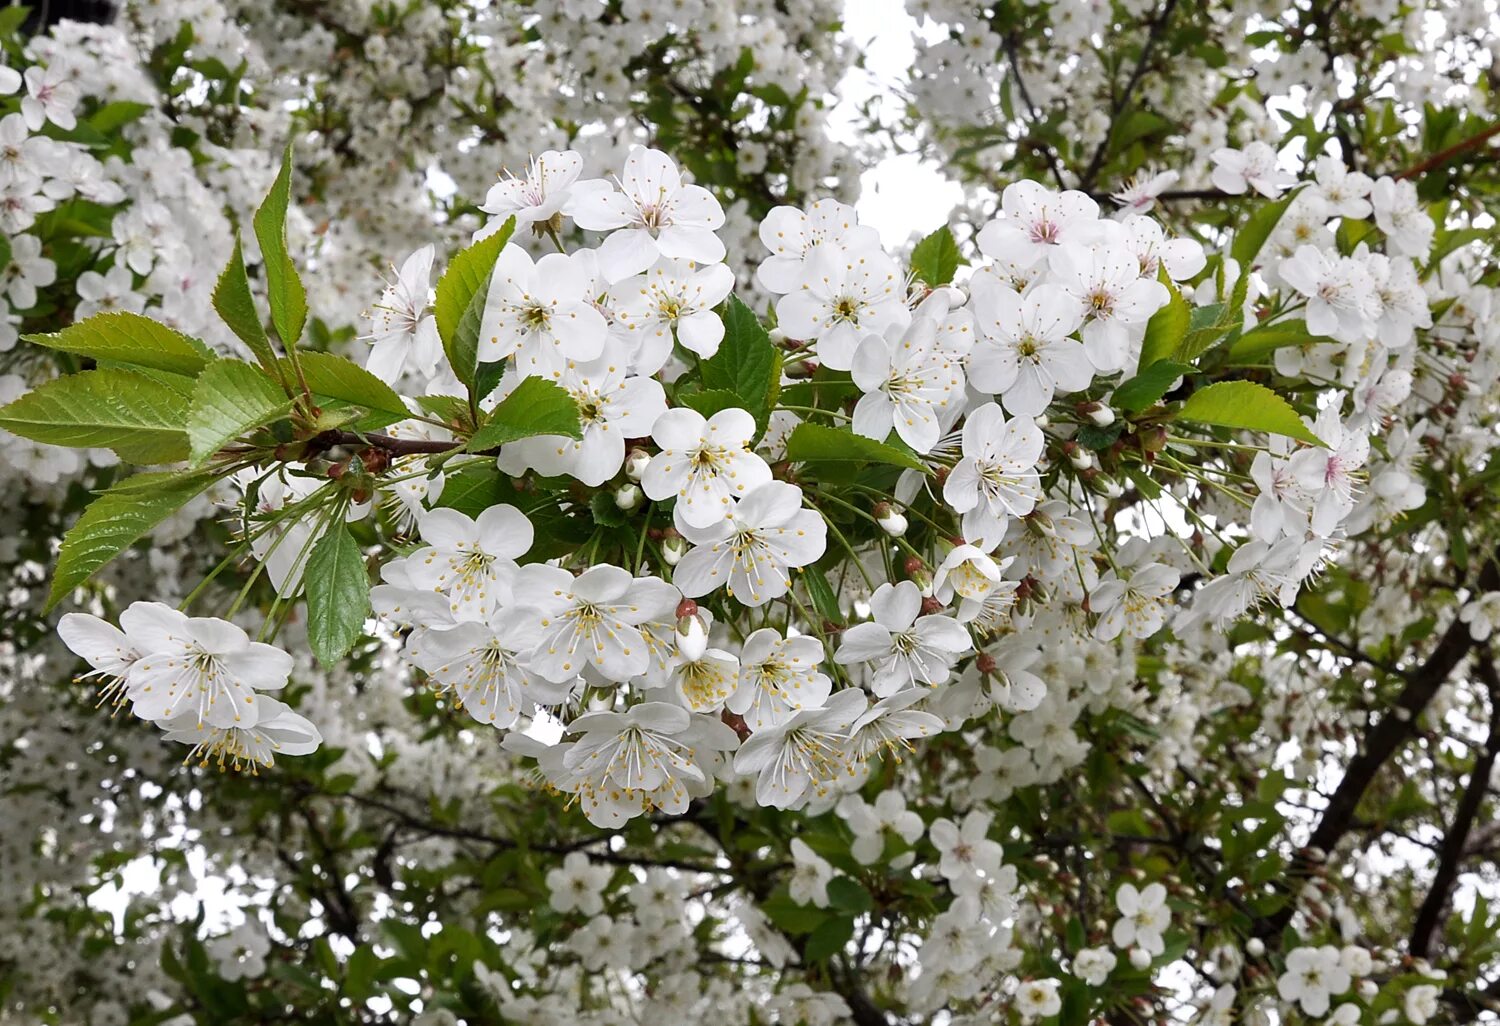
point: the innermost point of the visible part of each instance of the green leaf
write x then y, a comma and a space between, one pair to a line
1266, 338
712, 401
1244, 404
118, 519
235, 304
283, 285
747, 363
817, 443
536, 407
605, 512
829, 938
336, 377
142, 418
847, 895
1258, 228
231, 398
1148, 386
1166, 329
822, 594
123, 337
115, 115
474, 488
461, 293
338, 594
936, 258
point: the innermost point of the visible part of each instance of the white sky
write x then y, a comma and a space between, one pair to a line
901, 196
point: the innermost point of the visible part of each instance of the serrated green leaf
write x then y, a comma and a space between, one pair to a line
829, 938
824, 600
1258, 228
605, 512
936, 258
129, 338
1148, 386
142, 418
1245, 405
236, 306
338, 594
1266, 338
747, 363
283, 284
712, 401
812, 443
230, 399
476, 487
116, 114
1166, 329
116, 520
847, 895
536, 407
335, 377
463, 284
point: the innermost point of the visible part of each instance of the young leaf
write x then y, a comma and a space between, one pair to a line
235, 304
1148, 386
747, 363
467, 276
284, 286
476, 487
829, 938
142, 418
231, 398
116, 520
1244, 404
338, 594
1166, 329
1258, 228
1267, 338
536, 407
712, 401
123, 337
936, 258
335, 377
812, 443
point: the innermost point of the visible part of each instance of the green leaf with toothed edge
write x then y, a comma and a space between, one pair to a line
118, 519
459, 302
141, 417
536, 407
236, 307
231, 399
338, 593
122, 337
283, 284
937, 259
813, 443
1245, 405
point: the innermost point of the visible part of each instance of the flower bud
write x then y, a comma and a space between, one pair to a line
890, 519
1255, 947
635, 463
1108, 487
777, 336
1368, 989
1101, 415
1041, 420
627, 497
1140, 958
673, 548
692, 636
1081, 458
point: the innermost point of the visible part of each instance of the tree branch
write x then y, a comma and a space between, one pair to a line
1455, 841
1153, 36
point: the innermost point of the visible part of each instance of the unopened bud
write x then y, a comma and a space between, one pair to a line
635, 463
673, 548
1100, 414
777, 336
1368, 989
1081, 458
1107, 486
890, 519
1040, 420
692, 636
1140, 958
627, 497
1255, 947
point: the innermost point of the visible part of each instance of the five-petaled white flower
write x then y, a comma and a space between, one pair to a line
840, 298
904, 649
1143, 917
996, 478
471, 561
541, 312
403, 329
1036, 224
1024, 353
673, 299
908, 381
550, 187
1133, 605
592, 619
277, 730
754, 550
794, 235
802, 756
778, 678
705, 464
202, 666
655, 216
